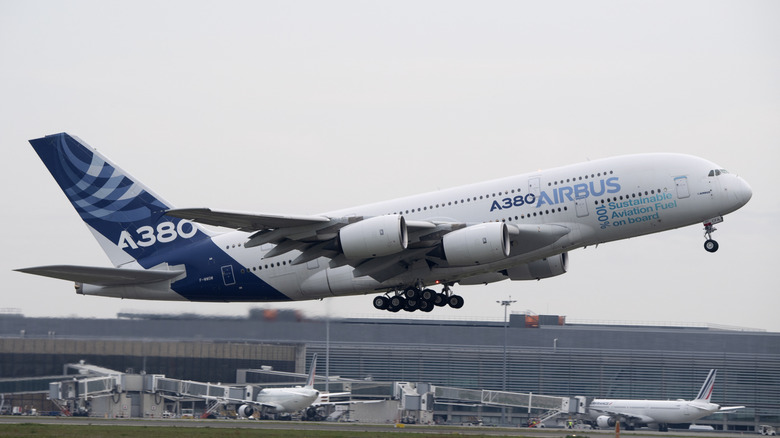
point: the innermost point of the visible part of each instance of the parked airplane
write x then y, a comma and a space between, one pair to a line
279, 400
657, 413
516, 228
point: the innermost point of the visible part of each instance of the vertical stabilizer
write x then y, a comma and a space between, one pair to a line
705, 393
312, 368
126, 218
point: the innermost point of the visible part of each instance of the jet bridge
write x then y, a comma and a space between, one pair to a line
550, 405
104, 392
189, 388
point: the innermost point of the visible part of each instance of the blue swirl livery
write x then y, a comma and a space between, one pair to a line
128, 219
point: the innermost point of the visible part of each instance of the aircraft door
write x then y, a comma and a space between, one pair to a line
581, 206
682, 187
227, 275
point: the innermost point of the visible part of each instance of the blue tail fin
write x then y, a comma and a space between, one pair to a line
126, 217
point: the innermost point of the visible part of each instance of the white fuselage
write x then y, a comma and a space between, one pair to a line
654, 411
599, 201
287, 400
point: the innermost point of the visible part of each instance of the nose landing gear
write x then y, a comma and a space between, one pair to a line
710, 245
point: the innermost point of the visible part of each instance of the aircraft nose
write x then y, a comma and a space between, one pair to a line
742, 191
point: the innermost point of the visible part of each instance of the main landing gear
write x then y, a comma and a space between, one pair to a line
413, 298
709, 244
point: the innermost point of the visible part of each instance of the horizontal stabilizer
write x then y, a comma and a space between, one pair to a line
101, 276
244, 221
729, 409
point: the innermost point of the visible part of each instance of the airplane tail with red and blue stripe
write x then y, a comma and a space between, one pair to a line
705, 393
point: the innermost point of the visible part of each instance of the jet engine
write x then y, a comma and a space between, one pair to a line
544, 268
245, 411
477, 244
605, 421
374, 237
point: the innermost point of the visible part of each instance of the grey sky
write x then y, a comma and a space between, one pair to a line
304, 107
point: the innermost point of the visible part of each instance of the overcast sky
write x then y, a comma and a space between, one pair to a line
304, 107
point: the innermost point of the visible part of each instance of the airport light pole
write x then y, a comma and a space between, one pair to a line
506, 304
327, 353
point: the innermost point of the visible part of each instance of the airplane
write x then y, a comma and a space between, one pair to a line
514, 228
657, 413
279, 400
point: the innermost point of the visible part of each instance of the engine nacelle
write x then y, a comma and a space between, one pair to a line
374, 237
245, 411
544, 268
477, 244
605, 421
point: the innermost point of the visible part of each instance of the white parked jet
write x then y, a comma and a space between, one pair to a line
657, 413
279, 400
516, 228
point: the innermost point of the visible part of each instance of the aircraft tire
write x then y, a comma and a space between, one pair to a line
411, 293
397, 303
711, 245
426, 306
428, 294
440, 300
381, 303
455, 301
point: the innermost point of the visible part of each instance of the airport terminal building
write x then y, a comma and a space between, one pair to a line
545, 355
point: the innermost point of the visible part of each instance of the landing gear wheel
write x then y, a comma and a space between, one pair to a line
455, 301
381, 302
440, 300
396, 303
411, 293
428, 294
426, 306
710, 245
412, 304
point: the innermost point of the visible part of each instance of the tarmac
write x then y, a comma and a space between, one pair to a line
359, 427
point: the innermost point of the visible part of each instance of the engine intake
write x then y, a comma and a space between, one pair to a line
245, 411
605, 421
477, 244
374, 237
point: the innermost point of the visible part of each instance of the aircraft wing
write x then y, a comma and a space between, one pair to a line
275, 406
245, 221
239, 401
316, 236
626, 416
325, 398
102, 276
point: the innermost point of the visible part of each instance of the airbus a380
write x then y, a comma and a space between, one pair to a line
515, 228
657, 413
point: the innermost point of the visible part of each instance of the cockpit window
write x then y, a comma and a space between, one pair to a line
718, 172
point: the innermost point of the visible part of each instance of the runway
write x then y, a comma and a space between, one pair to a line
357, 428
